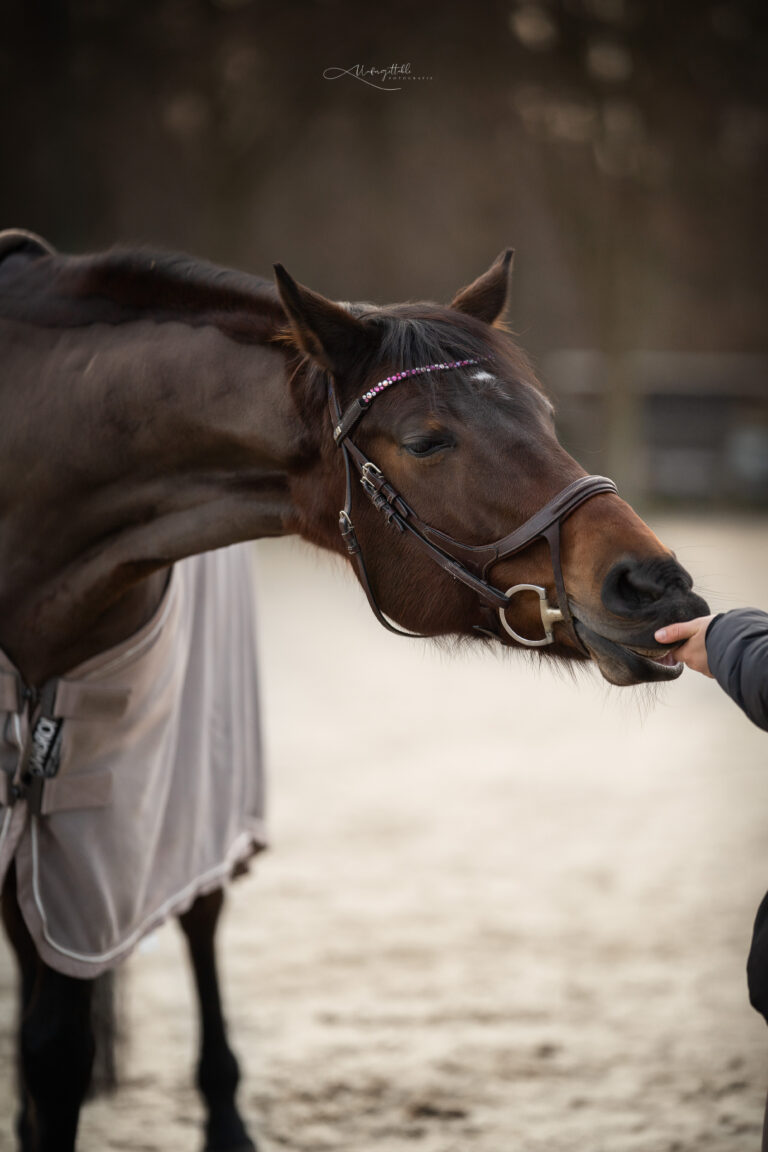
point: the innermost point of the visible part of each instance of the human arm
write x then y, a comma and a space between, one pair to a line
732, 647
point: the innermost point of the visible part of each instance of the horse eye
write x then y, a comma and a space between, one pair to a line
427, 445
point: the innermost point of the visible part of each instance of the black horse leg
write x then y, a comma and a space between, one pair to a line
217, 1073
55, 1042
28, 962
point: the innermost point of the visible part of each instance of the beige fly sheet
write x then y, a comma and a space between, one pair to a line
159, 794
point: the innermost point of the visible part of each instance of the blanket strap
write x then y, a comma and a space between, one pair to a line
45, 795
36, 778
79, 700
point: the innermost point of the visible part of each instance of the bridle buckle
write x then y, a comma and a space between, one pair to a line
549, 616
371, 478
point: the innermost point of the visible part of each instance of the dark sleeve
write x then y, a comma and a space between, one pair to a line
737, 651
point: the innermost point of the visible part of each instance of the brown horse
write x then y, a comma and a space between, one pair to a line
153, 407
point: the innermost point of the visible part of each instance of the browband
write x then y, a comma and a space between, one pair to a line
358, 407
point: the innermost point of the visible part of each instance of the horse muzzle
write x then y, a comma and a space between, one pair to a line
637, 599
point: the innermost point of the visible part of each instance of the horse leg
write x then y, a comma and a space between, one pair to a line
28, 963
55, 1042
217, 1072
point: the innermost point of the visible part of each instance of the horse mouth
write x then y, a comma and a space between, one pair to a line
624, 664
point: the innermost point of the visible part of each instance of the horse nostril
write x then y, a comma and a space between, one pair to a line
634, 585
637, 588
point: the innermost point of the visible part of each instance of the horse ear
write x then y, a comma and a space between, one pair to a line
322, 329
486, 297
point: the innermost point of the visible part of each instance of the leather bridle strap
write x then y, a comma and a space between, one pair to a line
352, 544
483, 556
467, 563
398, 513
395, 510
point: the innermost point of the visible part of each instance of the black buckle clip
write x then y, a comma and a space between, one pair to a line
33, 793
30, 789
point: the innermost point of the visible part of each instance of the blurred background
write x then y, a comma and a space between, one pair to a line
524, 924
620, 145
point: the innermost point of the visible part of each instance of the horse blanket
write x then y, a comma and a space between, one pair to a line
158, 795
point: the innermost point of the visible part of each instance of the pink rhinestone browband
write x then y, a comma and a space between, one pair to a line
347, 421
382, 384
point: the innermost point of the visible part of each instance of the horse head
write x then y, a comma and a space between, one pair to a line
463, 436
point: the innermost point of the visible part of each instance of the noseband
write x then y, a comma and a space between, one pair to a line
468, 563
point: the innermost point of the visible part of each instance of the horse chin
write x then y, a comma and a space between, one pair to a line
626, 666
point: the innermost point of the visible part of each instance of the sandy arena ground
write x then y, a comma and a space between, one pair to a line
516, 920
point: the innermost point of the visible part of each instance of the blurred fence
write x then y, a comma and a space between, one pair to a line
667, 425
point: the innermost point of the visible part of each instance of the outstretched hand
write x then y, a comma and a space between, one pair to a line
690, 635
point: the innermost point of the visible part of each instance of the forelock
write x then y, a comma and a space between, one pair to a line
414, 335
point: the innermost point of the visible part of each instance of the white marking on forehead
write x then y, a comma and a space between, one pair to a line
488, 382
494, 384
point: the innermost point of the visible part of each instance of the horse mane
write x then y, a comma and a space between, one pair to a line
127, 284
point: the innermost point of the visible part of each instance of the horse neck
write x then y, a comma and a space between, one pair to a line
158, 441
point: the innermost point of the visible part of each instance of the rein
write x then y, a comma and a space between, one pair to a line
467, 563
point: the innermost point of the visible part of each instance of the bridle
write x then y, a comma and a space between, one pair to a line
467, 563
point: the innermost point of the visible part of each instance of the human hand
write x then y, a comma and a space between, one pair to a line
690, 634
